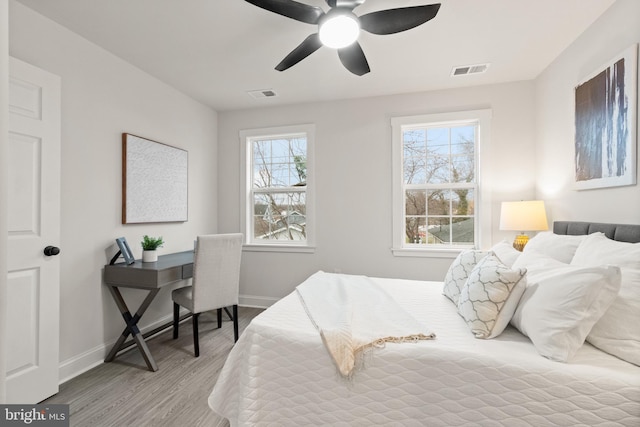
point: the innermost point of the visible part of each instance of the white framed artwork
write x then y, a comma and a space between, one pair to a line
606, 123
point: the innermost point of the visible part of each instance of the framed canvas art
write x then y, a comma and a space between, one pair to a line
154, 181
605, 124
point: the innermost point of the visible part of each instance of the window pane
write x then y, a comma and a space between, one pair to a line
415, 230
279, 174
261, 176
298, 171
261, 164
438, 169
298, 147
439, 202
438, 141
279, 151
280, 216
415, 170
439, 229
298, 161
463, 139
261, 151
260, 204
279, 162
414, 142
462, 202
462, 231
297, 207
415, 202
462, 168
414, 156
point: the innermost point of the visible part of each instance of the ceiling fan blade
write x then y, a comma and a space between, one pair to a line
352, 57
304, 49
396, 20
291, 9
347, 4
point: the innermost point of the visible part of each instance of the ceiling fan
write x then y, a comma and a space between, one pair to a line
339, 27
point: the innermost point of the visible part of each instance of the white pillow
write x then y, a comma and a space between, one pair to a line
458, 273
490, 296
561, 303
618, 330
556, 246
506, 252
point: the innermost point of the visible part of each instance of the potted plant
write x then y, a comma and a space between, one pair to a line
149, 246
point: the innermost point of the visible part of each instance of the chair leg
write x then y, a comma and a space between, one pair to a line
176, 315
235, 323
228, 314
219, 318
196, 344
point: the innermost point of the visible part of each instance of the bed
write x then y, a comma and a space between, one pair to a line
280, 373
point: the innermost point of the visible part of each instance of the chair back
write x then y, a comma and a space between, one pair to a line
216, 271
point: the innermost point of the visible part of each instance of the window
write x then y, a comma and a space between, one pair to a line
278, 181
439, 202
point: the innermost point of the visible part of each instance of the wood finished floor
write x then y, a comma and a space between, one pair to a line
124, 393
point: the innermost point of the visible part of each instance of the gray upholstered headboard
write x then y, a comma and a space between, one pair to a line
619, 232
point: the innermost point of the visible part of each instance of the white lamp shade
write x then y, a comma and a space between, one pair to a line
523, 216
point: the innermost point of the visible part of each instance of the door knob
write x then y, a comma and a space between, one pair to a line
51, 251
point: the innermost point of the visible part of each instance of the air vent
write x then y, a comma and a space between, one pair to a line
469, 69
264, 93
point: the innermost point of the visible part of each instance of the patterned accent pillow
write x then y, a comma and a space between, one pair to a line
459, 271
490, 296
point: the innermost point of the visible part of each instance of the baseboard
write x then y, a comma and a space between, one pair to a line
257, 301
83, 362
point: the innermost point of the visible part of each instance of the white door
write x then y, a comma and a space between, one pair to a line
33, 287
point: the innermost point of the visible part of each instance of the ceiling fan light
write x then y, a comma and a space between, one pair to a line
339, 31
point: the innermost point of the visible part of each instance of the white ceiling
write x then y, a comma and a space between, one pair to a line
217, 50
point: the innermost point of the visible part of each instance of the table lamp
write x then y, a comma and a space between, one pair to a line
523, 216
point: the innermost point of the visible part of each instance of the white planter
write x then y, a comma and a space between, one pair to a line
149, 256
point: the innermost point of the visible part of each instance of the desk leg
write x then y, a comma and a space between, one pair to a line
132, 328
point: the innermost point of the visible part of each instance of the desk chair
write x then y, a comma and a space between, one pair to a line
216, 278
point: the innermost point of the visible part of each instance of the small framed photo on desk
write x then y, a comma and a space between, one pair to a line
125, 250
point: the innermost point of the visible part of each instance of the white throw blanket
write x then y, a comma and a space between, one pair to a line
353, 314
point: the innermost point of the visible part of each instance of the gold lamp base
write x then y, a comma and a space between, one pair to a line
520, 241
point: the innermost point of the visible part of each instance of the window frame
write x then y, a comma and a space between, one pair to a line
482, 214
247, 137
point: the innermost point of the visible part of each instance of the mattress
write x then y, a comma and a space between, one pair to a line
279, 373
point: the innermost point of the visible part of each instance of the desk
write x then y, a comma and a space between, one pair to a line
149, 276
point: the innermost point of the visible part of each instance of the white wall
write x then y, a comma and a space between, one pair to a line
103, 96
4, 138
353, 176
616, 30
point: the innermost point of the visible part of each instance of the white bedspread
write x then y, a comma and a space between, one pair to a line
280, 374
353, 315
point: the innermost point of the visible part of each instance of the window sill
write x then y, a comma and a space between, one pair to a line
279, 248
426, 253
